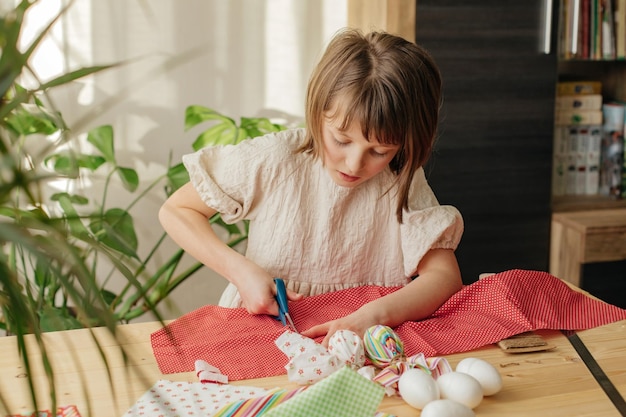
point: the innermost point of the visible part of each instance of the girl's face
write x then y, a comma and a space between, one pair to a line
349, 157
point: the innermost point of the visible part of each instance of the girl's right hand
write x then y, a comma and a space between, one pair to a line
258, 291
185, 217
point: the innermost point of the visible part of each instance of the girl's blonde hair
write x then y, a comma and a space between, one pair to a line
391, 86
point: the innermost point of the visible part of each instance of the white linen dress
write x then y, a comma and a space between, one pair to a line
313, 233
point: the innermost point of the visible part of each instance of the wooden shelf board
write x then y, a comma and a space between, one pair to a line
583, 202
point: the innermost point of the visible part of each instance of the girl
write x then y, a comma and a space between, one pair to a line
340, 204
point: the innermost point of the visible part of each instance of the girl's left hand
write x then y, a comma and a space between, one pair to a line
358, 322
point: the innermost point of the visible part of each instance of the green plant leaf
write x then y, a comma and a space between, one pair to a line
65, 165
12, 61
42, 273
54, 319
129, 177
116, 230
74, 75
259, 126
18, 213
177, 176
102, 138
74, 198
196, 114
76, 226
68, 164
29, 119
232, 229
221, 134
108, 296
90, 162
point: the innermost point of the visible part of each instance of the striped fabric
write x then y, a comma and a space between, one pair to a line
258, 406
432, 366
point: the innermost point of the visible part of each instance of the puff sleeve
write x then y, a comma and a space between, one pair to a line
233, 178
427, 225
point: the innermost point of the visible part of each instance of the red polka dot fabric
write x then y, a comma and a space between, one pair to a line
491, 309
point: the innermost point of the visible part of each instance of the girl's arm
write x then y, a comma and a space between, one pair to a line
439, 278
185, 217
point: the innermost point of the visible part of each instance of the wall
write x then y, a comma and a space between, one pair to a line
240, 57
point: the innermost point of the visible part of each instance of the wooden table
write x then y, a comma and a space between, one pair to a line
551, 383
581, 237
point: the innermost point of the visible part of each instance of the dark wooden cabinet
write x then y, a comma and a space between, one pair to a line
494, 153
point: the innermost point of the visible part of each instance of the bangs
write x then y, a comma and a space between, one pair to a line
371, 108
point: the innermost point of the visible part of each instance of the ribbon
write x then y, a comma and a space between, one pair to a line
208, 373
385, 350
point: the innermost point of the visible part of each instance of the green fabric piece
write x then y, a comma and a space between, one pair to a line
344, 393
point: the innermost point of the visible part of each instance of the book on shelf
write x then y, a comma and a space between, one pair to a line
592, 147
577, 138
591, 29
578, 117
620, 29
612, 170
576, 161
595, 32
571, 39
608, 30
568, 88
579, 102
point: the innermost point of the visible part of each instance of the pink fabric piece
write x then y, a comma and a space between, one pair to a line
482, 313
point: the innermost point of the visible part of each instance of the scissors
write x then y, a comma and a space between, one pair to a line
283, 308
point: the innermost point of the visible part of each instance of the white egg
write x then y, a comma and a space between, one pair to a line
417, 388
486, 374
447, 408
460, 387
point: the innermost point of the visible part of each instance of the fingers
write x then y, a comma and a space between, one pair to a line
268, 306
324, 329
273, 308
316, 331
294, 296
259, 300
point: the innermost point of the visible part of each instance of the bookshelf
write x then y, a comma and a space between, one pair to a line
578, 61
588, 230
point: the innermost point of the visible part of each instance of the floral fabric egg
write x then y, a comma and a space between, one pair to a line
347, 346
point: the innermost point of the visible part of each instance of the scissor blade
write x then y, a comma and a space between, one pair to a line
291, 325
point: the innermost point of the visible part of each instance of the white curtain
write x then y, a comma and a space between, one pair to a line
240, 57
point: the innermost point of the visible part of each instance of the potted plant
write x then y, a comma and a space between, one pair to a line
52, 246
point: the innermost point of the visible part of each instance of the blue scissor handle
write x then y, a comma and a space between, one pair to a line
281, 299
